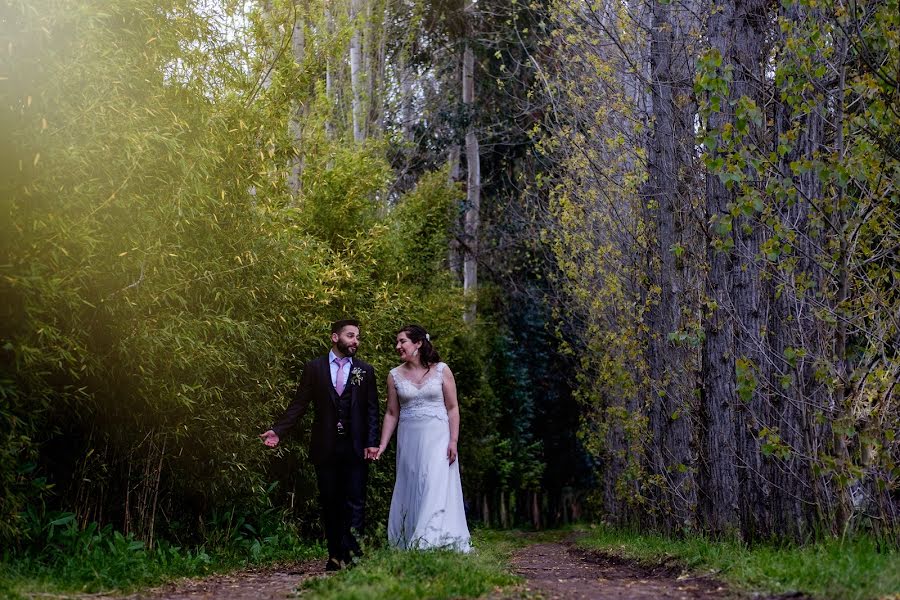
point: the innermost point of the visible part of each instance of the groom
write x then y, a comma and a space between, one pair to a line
344, 435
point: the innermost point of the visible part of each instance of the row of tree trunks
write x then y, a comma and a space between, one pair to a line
516, 508
726, 393
366, 61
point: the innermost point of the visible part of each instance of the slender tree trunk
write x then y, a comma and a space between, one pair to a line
156, 483
485, 510
473, 185
269, 52
747, 54
330, 74
356, 71
455, 250
839, 344
407, 119
719, 505
790, 324
735, 360
375, 64
298, 48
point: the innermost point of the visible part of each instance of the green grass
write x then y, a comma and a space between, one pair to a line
97, 561
403, 575
846, 570
100, 560
94, 561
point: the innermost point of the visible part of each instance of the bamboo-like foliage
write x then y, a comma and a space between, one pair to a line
162, 282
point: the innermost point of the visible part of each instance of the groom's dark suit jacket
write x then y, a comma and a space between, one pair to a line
315, 387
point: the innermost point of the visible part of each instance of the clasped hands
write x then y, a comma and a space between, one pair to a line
271, 439
375, 453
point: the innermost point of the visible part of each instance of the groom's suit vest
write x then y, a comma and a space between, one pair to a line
343, 402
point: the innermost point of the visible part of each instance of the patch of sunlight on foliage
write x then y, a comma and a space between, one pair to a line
401, 575
855, 569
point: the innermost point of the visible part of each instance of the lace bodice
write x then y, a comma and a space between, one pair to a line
424, 401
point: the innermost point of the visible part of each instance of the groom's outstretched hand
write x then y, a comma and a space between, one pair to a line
270, 438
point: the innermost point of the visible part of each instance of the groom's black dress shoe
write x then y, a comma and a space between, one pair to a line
333, 564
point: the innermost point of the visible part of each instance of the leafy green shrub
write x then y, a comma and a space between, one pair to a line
94, 558
161, 286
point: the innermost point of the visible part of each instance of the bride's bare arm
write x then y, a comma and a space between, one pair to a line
449, 387
391, 415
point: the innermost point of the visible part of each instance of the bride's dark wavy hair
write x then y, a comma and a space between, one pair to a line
427, 354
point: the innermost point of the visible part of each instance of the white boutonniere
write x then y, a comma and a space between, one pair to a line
356, 376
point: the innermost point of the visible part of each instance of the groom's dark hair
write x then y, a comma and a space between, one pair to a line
338, 326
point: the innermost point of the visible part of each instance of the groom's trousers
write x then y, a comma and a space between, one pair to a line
342, 495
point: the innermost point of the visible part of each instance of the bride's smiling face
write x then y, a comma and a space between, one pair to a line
406, 348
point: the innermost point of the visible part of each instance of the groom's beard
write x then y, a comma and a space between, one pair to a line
346, 349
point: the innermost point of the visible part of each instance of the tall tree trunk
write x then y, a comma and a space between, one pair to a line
374, 59
746, 53
790, 328
485, 510
473, 183
732, 353
804, 499
269, 52
407, 118
455, 250
718, 508
298, 48
669, 160
356, 71
535, 509
330, 74
839, 342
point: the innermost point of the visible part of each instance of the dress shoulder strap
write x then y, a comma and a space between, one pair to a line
395, 376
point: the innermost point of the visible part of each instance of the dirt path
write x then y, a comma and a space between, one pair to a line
552, 571
272, 583
563, 571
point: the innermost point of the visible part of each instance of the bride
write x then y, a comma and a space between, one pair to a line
427, 505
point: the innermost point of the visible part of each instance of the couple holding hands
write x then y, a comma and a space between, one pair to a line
427, 504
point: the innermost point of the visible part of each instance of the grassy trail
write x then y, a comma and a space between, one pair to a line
591, 561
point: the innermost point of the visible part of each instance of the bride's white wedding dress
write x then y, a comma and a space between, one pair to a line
427, 505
